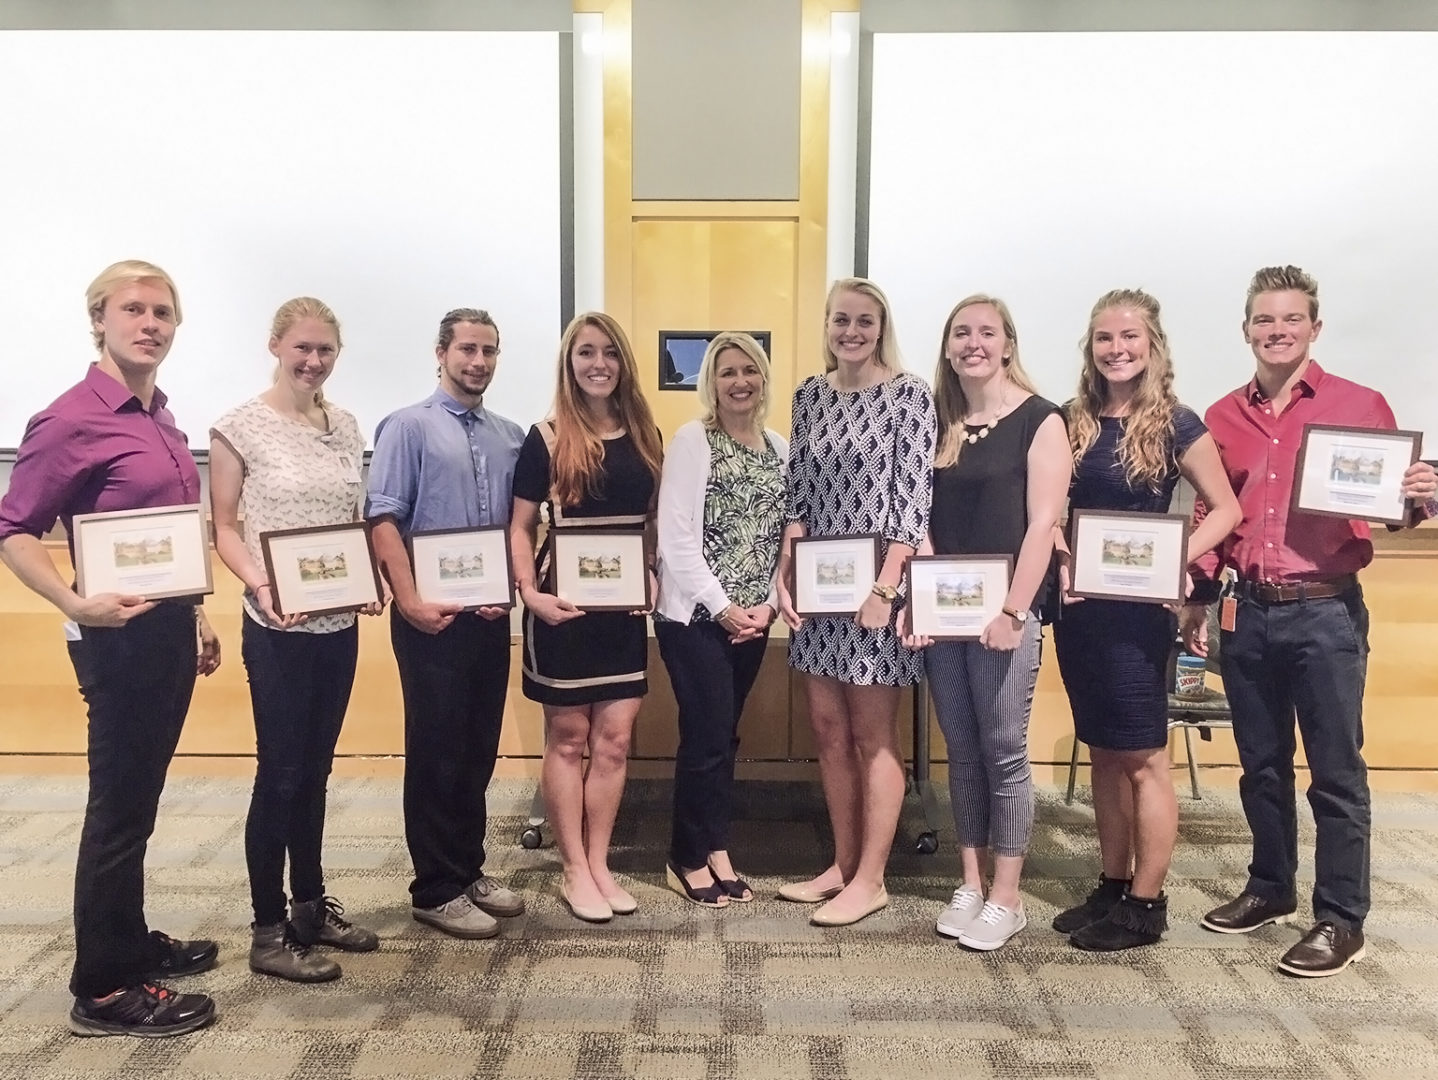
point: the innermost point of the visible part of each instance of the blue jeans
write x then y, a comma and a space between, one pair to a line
1306, 659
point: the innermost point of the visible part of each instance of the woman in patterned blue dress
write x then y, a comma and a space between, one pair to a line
860, 461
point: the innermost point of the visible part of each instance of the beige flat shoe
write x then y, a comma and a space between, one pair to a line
801, 892
824, 917
594, 913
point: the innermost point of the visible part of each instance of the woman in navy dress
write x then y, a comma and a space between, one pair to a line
1131, 441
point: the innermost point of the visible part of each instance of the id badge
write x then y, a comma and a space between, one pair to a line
1228, 614
351, 469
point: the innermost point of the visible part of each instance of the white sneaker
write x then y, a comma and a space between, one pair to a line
993, 927
962, 910
458, 918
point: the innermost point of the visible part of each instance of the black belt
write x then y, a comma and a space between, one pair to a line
1263, 592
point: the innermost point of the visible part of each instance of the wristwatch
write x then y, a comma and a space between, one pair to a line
1019, 617
886, 593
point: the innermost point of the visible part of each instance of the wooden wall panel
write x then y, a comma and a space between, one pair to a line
41, 711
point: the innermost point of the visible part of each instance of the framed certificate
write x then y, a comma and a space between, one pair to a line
834, 575
322, 570
601, 571
1119, 555
469, 567
952, 598
156, 552
1354, 472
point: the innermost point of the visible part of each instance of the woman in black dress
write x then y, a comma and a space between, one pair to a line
1131, 441
595, 464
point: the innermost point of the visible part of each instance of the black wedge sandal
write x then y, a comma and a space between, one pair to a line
737, 889
708, 896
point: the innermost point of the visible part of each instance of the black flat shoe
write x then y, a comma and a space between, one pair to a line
708, 896
737, 889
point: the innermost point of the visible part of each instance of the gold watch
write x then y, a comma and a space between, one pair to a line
1019, 615
886, 593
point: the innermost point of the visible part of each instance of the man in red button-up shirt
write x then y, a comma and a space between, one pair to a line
1295, 631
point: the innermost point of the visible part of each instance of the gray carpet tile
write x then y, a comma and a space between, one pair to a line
753, 992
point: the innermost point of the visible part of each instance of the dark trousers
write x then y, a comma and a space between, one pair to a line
1307, 659
136, 681
711, 679
454, 685
299, 688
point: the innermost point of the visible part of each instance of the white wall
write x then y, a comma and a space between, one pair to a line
1049, 168
393, 175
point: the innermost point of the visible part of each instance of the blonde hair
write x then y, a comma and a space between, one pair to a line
886, 352
1282, 279
950, 402
709, 374
304, 307
578, 447
1146, 449
117, 276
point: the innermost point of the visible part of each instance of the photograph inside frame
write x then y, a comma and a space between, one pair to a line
321, 571
469, 567
1355, 473
1129, 556
156, 553
833, 575
602, 571
955, 598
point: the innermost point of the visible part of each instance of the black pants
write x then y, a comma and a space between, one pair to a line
136, 681
299, 688
1307, 659
711, 679
454, 685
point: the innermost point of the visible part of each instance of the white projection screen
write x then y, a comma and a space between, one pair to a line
1049, 168
393, 175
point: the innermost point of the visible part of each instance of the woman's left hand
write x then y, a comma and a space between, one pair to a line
1003, 634
874, 612
207, 661
653, 596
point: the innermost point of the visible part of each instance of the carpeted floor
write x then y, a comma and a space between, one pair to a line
753, 992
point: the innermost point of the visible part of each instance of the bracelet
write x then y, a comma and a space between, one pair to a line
262, 585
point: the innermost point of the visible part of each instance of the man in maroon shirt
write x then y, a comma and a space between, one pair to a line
109, 443
1295, 629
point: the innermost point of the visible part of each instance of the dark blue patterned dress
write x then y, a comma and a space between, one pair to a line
860, 462
1113, 654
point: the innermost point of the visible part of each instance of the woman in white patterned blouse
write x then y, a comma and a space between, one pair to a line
290, 459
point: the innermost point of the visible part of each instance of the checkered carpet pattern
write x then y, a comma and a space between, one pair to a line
753, 992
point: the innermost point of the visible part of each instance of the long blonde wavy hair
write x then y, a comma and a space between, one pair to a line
1146, 449
578, 446
950, 401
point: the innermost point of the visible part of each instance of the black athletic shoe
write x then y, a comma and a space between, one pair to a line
147, 1011
181, 957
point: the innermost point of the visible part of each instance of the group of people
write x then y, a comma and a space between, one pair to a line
980, 464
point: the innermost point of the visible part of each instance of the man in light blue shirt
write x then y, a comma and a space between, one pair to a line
448, 463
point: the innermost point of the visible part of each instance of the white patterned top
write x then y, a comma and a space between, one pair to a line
296, 476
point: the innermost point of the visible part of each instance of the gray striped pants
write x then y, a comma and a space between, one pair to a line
983, 700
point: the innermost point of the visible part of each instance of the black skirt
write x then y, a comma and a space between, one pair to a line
1113, 656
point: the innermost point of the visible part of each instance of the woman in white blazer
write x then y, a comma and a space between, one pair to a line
721, 514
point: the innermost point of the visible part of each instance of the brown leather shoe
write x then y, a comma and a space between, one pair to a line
1246, 913
1325, 950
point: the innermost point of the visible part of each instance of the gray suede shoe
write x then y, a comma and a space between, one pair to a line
274, 950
